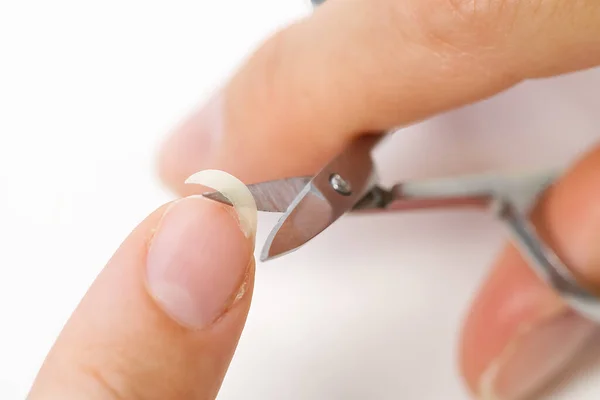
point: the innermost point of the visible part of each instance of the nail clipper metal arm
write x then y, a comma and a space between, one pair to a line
380, 200
467, 191
486, 194
548, 265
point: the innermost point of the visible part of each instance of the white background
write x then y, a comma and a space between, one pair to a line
370, 310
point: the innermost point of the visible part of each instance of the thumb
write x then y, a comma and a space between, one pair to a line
163, 318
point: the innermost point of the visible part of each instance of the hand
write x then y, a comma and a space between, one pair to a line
163, 318
359, 66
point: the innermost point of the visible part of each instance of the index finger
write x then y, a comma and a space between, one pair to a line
358, 66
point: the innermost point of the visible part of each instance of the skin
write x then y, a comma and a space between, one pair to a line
425, 57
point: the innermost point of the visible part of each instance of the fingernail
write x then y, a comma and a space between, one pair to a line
535, 357
197, 261
235, 191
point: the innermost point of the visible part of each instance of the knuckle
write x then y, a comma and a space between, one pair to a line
469, 25
262, 85
276, 93
264, 69
107, 383
153, 368
264, 80
117, 371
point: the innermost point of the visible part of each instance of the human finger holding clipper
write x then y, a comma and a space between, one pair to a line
163, 319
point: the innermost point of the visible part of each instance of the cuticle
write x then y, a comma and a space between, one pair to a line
237, 295
156, 228
235, 298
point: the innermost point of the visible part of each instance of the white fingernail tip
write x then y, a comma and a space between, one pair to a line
236, 192
487, 381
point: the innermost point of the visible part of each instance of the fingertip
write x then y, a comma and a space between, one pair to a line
236, 192
163, 318
520, 334
197, 261
511, 300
